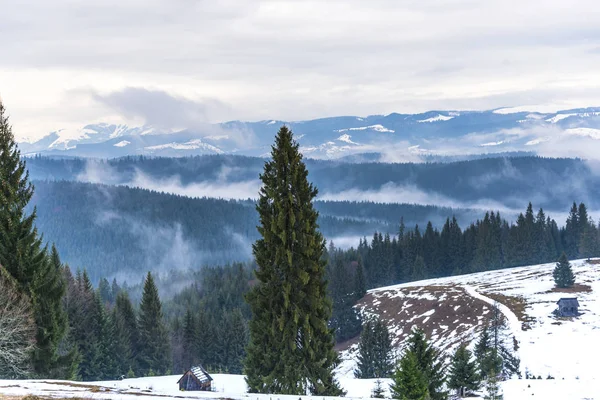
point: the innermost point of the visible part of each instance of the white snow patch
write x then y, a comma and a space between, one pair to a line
191, 145
346, 138
122, 143
437, 118
492, 144
559, 117
376, 128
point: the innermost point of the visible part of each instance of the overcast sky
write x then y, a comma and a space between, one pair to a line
66, 63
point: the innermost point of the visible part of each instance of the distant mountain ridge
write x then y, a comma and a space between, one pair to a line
417, 135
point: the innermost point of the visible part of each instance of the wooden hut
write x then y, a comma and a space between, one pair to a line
568, 307
195, 379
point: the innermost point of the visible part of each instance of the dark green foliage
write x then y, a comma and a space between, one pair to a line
360, 282
375, 358
291, 346
154, 353
430, 363
563, 274
344, 319
409, 381
463, 376
38, 275
232, 337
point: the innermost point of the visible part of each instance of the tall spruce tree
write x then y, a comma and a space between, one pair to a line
154, 354
38, 275
463, 376
563, 274
291, 346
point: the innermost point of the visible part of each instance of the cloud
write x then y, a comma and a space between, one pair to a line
224, 188
218, 189
270, 59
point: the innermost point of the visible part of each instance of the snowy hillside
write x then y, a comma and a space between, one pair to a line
399, 136
451, 310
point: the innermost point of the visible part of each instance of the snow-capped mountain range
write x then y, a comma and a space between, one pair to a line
430, 133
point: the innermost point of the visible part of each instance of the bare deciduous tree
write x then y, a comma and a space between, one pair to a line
17, 331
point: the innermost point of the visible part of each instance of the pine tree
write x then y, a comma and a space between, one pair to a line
463, 376
188, 341
291, 345
127, 323
378, 391
374, 351
492, 388
22, 255
360, 281
409, 381
563, 274
154, 351
430, 362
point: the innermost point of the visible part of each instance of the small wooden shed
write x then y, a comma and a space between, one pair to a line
568, 307
196, 379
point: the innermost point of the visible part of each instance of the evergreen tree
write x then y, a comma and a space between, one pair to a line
492, 388
188, 341
378, 391
409, 381
374, 351
291, 345
154, 351
360, 283
463, 376
21, 253
589, 245
563, 274
572, 232
127, 325
430, 363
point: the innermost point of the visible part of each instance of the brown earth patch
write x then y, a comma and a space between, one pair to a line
576, 288
446, 313
594, 262
517, 305
345, 345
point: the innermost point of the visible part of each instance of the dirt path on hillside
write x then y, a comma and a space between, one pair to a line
514, 324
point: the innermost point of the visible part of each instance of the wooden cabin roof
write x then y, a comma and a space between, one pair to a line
568, 302
199, 373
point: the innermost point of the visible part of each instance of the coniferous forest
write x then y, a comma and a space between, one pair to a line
64, 325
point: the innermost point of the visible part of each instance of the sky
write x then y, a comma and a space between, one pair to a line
68, 63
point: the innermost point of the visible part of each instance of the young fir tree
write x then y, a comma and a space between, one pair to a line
409, 381
291, 345
22, 255
378, 392
463, 376
492, 388
563, 274
374, 351
430, 363
154, 352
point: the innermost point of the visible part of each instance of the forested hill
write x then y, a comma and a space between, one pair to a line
121, 231
491, 182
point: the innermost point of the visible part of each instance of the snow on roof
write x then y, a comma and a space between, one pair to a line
200, 373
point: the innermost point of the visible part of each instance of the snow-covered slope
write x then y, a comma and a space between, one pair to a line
453, 310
